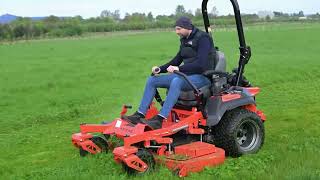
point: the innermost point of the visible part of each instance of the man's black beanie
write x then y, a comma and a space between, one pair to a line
184, 22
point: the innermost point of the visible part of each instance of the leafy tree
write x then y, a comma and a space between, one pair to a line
51, 19
22, 20
5, 32
36, 30
301, 14
116, 15
135, 18
268, 18
19, 31
277, 14
78, 18
163, 18
150, 17
109, 20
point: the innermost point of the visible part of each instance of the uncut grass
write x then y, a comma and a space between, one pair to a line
49, 87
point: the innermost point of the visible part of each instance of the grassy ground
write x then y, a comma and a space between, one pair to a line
48, 87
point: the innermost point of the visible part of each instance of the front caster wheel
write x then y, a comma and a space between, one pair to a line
147, 158
100, 142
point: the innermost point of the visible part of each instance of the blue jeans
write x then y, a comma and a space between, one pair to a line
175, 84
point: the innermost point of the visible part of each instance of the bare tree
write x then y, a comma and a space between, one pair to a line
109, 14
214, 12
180, 10
198, 12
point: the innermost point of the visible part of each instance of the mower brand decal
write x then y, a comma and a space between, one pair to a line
118, 124
126, 130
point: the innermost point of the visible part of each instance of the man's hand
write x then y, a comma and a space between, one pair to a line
156, 70
170, 69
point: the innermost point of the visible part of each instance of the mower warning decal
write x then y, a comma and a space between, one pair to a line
118, 124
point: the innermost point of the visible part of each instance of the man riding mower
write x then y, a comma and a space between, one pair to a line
208, 112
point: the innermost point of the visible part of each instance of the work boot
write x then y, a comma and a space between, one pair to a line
155, 122
134, 118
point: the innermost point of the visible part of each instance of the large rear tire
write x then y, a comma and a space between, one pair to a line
239, 132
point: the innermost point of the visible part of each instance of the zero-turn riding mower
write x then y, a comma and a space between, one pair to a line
205, 125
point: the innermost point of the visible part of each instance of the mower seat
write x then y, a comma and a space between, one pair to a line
187, 98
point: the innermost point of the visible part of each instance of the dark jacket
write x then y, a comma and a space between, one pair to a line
196, 53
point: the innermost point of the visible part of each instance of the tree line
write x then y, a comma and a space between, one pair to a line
109, 21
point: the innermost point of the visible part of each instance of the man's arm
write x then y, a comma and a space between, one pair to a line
176, 61
201, 63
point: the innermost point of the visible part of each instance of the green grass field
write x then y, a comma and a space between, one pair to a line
49, 87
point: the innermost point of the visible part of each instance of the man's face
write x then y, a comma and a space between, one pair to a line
182, 32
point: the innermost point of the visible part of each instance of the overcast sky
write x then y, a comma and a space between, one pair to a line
92, 8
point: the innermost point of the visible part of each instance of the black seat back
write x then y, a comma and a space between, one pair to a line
220, 62
187, 98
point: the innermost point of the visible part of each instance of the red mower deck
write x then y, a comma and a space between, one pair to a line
193, 157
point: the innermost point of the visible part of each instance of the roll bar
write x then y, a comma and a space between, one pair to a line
245, 51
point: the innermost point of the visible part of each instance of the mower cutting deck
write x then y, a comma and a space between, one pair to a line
194, 157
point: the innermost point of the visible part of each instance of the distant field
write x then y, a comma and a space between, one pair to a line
49, 87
